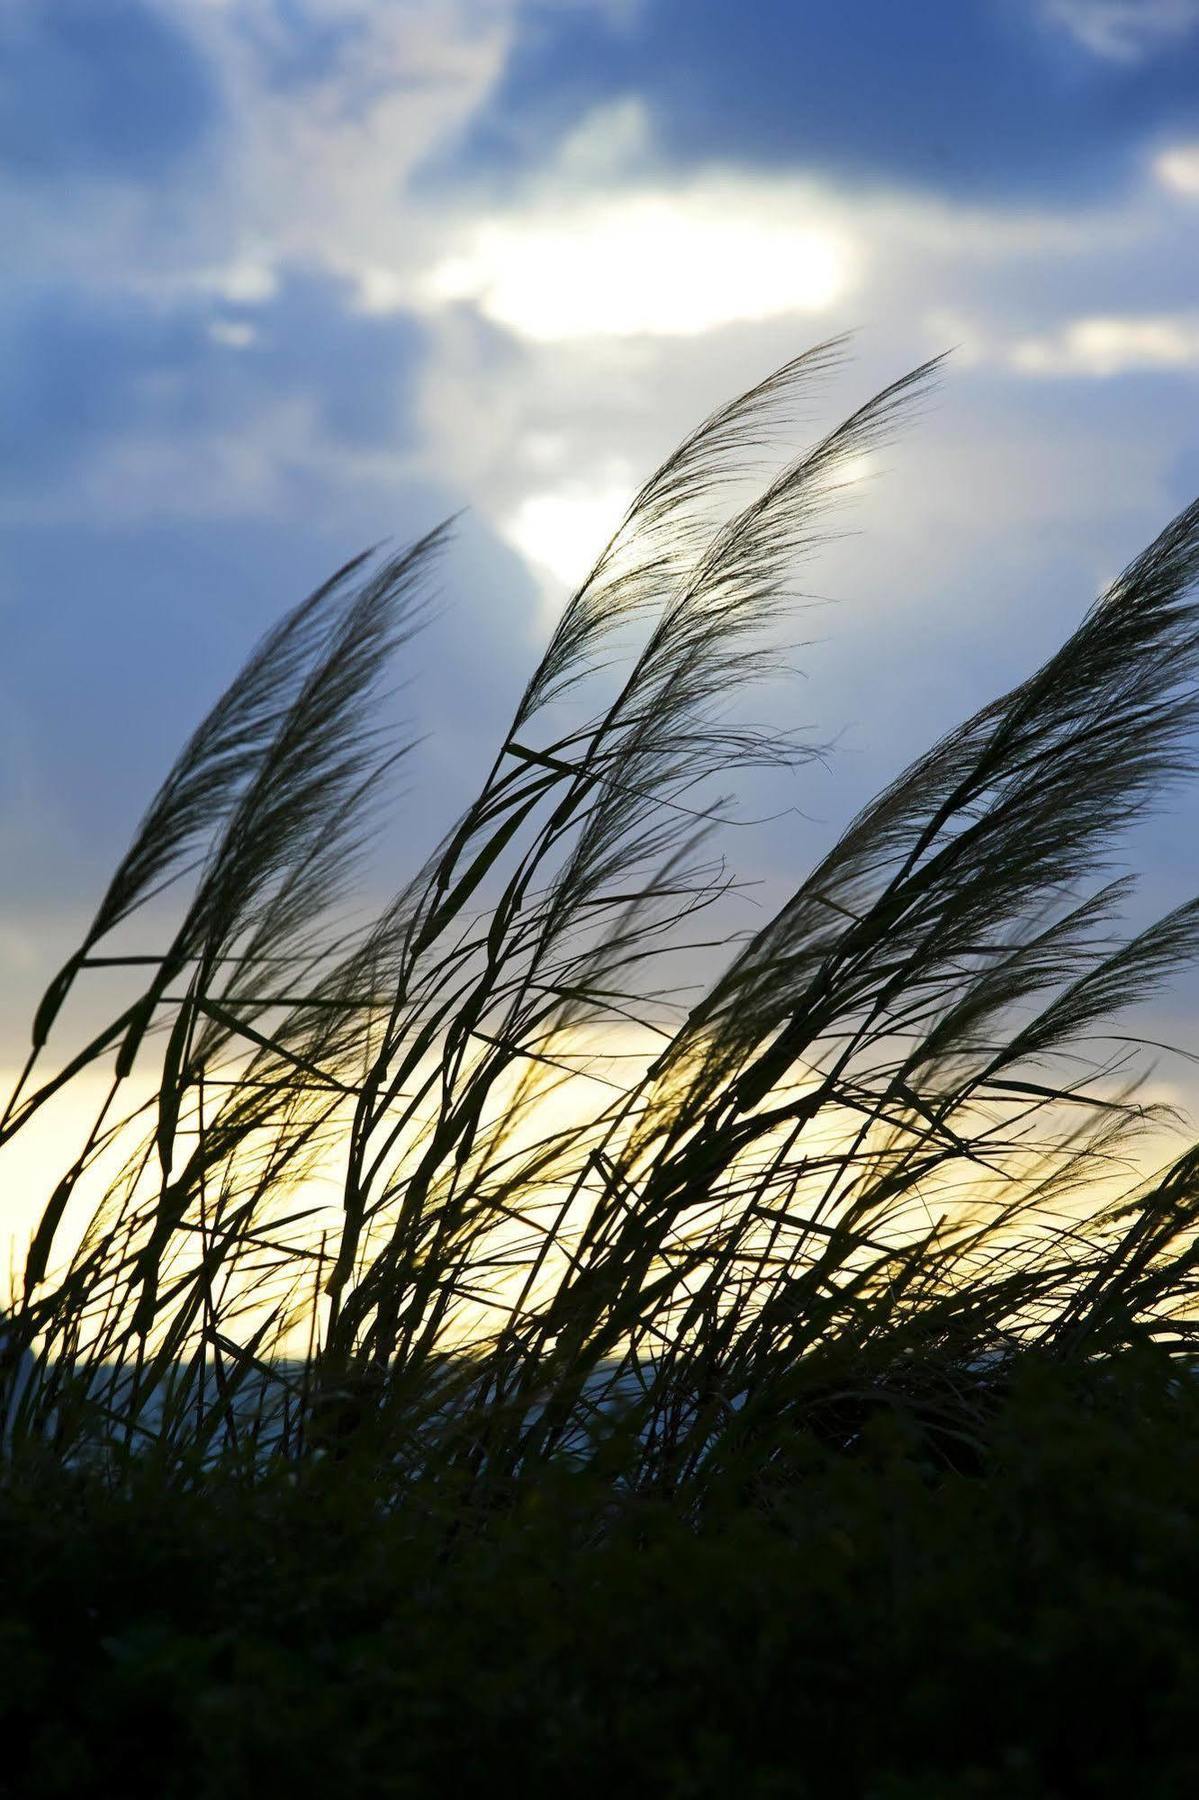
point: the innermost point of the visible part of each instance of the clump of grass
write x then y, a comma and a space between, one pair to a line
872, 1166
877, 1625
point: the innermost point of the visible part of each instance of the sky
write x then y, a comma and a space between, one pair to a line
285, 278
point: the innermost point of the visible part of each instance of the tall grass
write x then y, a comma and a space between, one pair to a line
470, 1188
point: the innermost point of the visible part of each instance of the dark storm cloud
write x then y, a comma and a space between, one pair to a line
98, 87
77, 368
970, 97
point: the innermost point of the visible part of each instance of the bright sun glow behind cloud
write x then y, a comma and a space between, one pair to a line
652, 263
562, 531
1178, 168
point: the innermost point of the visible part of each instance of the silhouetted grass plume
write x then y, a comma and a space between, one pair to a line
469, 1190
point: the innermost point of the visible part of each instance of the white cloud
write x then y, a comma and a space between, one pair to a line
235, 334
1112, 345
562, 530
1124, 30
245, 284
647, 263
611, 141
1178, 168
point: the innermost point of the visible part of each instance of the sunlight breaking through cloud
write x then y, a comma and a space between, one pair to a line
654, 263
1178, 168
561, 531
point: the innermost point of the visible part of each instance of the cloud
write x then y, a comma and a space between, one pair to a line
113, 90
1125, 30
1103, 346
264, 343
663, 263
561, 531
299, 45
1178, 168
239, 334
118, 386
968, 97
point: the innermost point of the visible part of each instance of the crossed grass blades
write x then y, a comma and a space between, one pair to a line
875, 1162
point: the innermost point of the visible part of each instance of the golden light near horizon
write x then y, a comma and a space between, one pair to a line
36, 1157
566, 1100
561, 1101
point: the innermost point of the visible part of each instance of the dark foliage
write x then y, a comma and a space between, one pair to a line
884, 1623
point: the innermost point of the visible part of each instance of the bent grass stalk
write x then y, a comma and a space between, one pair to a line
471, 1181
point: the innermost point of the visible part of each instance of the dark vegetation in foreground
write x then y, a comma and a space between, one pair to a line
1012, 1621
693, 1380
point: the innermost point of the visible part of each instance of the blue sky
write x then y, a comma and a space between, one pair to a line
288, 277
985, 98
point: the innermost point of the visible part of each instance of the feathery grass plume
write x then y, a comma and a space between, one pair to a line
607, 834
906, 955
871, 1163
275, 791
671, 521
